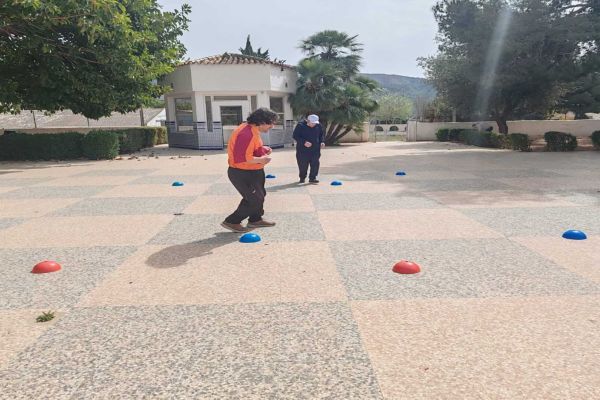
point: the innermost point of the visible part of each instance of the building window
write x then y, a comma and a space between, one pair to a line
253, 105
227, 98
276, 104
209, 116
183, 114
231, 115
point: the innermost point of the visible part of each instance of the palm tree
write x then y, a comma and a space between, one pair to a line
336, 47
249, 51
329, 84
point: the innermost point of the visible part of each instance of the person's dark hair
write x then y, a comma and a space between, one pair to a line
262, 116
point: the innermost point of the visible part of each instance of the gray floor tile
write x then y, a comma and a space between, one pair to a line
117, 172
226, 188
10, 180
548, 221
456, 184
82, 269
238, 351
371, 201
54, 192
8, 222
126, 206
452, 268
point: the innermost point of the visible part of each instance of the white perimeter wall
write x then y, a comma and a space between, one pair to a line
418, 131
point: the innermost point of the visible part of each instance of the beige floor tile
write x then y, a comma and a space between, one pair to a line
579, 256
32, 207
192, 166
401, 224
273, 203
88, 181
154, 190
495, 198
51, 171
523, 348
5, 189
84, 231
356, 187
19, 329
232, 273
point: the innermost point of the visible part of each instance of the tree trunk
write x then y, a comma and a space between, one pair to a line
336, 135
142, 117
502, 125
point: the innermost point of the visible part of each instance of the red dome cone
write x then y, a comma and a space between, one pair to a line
406, 267
45, 267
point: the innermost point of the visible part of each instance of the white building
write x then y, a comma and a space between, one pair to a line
211, 96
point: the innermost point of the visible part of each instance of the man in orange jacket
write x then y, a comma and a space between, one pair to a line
247, 158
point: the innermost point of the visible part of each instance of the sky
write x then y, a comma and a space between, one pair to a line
394, 33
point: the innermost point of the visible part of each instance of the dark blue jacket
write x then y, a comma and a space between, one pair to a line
304, 133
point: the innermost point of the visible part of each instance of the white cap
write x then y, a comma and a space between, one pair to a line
313, 119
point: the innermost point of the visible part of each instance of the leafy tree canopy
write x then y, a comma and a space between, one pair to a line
329, 84
504, 59
92, 57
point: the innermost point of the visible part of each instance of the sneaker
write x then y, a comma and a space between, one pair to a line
260, 224
237, 228
313, 181
302, 180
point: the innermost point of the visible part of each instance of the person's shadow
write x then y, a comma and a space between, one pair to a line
277, 188
179, 254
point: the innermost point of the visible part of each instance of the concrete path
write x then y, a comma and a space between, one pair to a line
156, 301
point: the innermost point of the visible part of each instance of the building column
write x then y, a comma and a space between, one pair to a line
171, 122
287, 108
198, 107
262, 100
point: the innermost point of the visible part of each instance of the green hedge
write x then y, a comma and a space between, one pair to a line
99, 145
22, 146
560, 141
596, 139
520, 141
453, 135
442, 135
482, 139
135, 139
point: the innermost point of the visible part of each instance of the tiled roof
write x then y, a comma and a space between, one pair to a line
227, 58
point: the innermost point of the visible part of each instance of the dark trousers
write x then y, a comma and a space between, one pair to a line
251, 185
304, 160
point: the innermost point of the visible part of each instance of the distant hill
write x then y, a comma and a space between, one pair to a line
405, 85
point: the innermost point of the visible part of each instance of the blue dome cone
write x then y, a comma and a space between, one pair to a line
270, 176
336, 183
574, 235
177, 183
250, 238
400, 173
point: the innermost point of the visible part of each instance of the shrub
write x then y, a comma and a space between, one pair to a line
453, 135
98, 145
560, 141
500, 141
135, 139
596, 139
51, 146
442, 135
520, 141
161, 135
